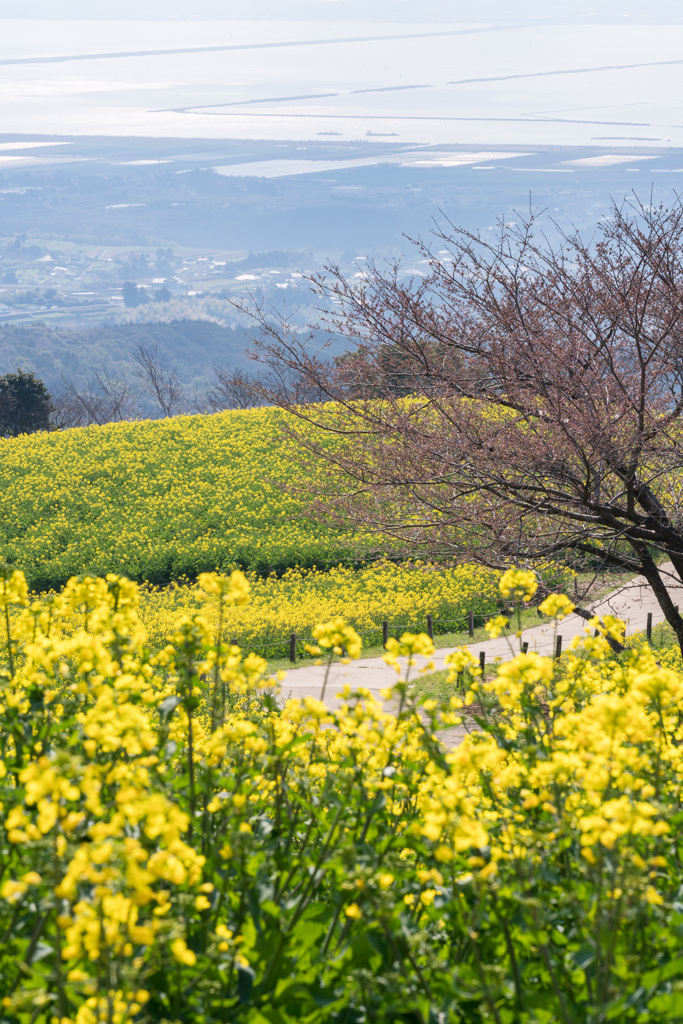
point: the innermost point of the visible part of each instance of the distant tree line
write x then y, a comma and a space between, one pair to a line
142, 370
135, 295
27, 406
57, 354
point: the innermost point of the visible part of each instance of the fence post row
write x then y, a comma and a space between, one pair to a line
385, 635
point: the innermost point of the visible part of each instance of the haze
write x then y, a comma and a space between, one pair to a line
198, 149
596, 11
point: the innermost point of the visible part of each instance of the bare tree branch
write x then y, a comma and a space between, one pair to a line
106, 399
521, 401
160, 381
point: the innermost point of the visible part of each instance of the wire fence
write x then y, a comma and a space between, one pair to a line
292, 647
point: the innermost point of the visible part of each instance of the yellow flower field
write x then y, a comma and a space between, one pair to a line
160, 498
402, 594
179, 843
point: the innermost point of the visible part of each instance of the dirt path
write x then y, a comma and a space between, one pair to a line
632, 602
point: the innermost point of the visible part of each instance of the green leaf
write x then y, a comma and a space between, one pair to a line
672, 969
584, 957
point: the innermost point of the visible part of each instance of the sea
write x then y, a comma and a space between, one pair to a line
419, 85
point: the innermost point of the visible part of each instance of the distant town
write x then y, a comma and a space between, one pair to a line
64, 283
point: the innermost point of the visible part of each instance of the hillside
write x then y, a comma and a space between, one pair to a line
158, 499
193, 347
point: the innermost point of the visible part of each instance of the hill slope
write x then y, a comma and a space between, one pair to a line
191, 346
157, 499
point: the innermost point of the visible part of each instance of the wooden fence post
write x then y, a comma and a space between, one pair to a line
430, 627
482, 661
292, 647
385, 632
525, 646
558, 647
649, 626
470, 622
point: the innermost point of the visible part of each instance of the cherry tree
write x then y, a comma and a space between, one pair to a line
521, 401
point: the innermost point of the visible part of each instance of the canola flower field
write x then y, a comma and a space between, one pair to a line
165, 500
160, 499
402, 594
179, 844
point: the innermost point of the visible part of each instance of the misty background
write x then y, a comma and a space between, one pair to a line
664, 12
161, 163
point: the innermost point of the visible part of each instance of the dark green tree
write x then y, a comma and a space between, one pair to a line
25, 404
133, 295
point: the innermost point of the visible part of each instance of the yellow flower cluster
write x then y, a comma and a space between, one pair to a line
298, 600
520, 583
180, 842
336, 636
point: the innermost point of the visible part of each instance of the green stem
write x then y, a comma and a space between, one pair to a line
327, 675
190, 768
10, 657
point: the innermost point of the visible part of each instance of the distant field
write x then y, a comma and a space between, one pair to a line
403, 595
159, 499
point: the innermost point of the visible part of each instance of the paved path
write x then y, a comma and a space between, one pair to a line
631, 602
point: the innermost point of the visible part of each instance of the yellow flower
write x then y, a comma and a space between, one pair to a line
13, 589
459, 660
407, 647
495, 626
353, 911
556, 606
520, 583
12, 891
338, 636
182, 954
653, 897
233, 589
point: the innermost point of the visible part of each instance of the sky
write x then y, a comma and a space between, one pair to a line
391, 11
